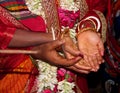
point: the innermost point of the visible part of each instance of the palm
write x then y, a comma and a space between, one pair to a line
91, 46
45, 50
70, 47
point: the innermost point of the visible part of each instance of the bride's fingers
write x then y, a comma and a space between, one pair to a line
95, 62
81, 65
86, 60
90, 60
99, 58
101, 48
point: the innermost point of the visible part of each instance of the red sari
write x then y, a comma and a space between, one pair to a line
99, 5
16, 70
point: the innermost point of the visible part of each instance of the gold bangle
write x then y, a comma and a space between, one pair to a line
64, 33
86, 29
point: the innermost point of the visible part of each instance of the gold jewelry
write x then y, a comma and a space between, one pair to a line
64, 33
86, 29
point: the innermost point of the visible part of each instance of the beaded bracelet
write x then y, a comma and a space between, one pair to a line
86, 29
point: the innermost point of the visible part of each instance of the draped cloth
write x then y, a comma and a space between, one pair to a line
112, 55
17, 71
87, 8
111, 69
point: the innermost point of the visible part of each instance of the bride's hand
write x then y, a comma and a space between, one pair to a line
69, 48
70, 51
91, 46
81, 67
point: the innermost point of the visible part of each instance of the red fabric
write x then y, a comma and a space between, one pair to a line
6, 34
7, 29
100, 5
8, 25
34, 24
16, 80
82, 84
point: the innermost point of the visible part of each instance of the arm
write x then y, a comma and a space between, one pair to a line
42, 43
89, 42
47, 52
12, 37
23, 38
17, 38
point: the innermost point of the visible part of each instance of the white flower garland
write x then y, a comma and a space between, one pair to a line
68, 5
47, 73
47, 79
35, 7
47, 76
66, 87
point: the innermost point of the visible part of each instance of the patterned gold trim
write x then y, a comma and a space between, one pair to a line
82, 5
51, 15
85, 29
103, 23
10, 19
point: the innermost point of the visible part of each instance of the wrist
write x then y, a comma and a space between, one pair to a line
84, 30
90, 23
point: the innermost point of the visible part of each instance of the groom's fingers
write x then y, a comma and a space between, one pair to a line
72, 50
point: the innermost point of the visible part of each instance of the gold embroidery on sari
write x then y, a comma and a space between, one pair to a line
9, 19
51, 15
103, 23
82, 5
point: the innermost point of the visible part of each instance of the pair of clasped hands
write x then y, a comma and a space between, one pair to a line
91, 50
89, 45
